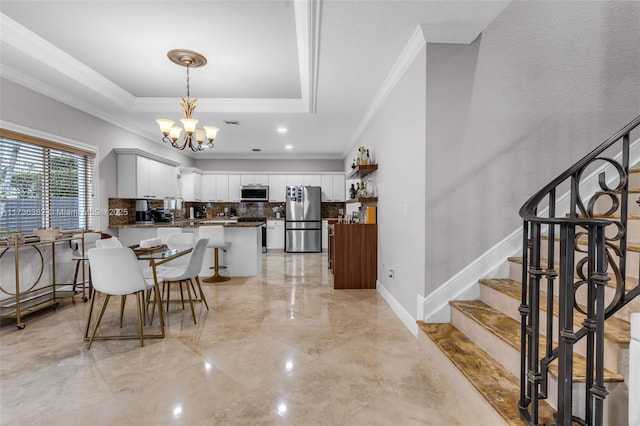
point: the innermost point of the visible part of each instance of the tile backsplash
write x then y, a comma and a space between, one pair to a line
246, 209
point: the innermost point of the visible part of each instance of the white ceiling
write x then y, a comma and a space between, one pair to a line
314, 67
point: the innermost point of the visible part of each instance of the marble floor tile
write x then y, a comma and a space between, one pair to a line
282, 348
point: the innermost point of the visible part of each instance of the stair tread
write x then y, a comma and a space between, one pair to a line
631, 282
616, 329
508, 330
499, 387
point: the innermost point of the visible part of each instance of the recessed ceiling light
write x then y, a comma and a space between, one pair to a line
231, 122
256, 149
282, 130
288, 146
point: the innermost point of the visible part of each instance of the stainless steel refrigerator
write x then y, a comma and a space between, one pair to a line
303, 222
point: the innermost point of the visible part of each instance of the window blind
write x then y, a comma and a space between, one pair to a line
44, 184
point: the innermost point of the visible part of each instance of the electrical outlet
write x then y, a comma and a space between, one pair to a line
391, 273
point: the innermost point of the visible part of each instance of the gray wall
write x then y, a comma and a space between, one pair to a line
26, 108
396, 138
546, 83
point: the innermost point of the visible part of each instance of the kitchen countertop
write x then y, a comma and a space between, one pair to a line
229, 223
188, 223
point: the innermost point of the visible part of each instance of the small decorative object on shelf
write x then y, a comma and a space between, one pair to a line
352, 192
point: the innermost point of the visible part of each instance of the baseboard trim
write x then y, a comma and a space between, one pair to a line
465, 283
407, 319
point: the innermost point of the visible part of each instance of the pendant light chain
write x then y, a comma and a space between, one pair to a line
188, 81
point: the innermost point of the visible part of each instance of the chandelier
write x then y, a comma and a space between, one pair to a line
193, 138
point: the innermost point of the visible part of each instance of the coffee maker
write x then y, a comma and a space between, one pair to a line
143, 212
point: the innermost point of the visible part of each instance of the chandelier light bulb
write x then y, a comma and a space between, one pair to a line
175, 133
199, 136
211, 132
189, 125
165, 125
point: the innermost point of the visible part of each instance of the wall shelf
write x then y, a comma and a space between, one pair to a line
362, 171
363, 200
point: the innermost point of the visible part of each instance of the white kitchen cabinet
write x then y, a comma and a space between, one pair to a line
209, 188
326, 183
333, 188
295, 180
222, 188
325, 235
261, 179
277, 188
246, 179
254, 179
234, 188
191, 186
312, 180
140, 176
275, 234
339, 188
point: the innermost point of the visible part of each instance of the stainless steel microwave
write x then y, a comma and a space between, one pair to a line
254, 193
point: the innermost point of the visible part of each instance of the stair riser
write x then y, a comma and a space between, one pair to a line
465, 390
509, 357
634, 182
633, 258
515, 273
614, 352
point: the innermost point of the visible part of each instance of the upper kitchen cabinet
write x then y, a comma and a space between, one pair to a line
215, 188
143, 175
209, 188
254, 180
190, 184
333, 187
277, 188
312, 180
222, 187
295, 180
234, 188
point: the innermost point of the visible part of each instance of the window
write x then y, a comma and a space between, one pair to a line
44, 184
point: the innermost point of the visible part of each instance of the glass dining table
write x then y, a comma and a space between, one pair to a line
156, 256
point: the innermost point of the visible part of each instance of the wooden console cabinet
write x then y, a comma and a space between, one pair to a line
353, 255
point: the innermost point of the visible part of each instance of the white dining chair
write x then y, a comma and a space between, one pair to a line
115, 272
215, 234
187, 275
181, 241
112, 242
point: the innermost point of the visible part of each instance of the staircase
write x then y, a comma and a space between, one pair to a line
517, 381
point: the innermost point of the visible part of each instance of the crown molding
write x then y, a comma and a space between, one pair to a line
406, 58
307, 20
40, 50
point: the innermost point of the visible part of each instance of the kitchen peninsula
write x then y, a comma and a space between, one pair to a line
242, 259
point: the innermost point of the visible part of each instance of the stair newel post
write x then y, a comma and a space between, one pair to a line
524, 312
567, 337
533, 327
600, 278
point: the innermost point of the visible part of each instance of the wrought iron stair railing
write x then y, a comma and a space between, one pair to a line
592, 254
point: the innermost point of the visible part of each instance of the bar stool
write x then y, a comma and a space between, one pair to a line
163, 233
216, 242
79, 252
